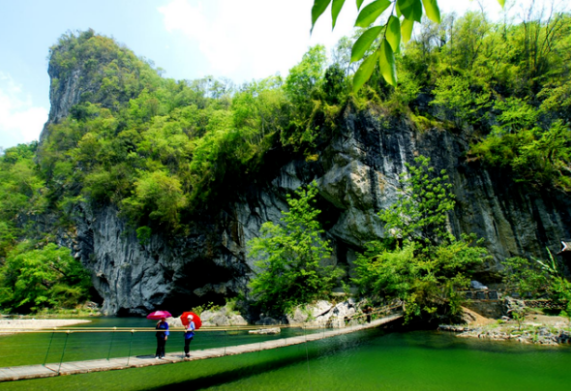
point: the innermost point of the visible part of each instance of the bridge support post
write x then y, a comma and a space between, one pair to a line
111, 343
49, 347
130, 346
63, 351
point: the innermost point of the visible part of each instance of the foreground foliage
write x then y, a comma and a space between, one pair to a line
382, 40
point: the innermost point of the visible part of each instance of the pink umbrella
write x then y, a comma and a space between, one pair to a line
159, 315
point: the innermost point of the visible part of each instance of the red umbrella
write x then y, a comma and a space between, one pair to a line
195, 319
159, 315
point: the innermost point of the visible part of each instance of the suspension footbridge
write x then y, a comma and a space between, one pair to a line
76, 367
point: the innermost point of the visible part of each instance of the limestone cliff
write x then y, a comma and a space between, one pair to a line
99, 72
357, 175
357, 172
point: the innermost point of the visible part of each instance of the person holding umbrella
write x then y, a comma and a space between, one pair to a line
191, 322
188, 334
162, 337
163, 333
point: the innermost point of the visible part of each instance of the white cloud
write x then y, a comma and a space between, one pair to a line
252, 38
20, 120
247, 39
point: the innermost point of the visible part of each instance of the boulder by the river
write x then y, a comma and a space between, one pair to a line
477, 285
222, 317
273, 330
325, 314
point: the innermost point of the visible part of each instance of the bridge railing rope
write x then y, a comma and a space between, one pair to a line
113, 329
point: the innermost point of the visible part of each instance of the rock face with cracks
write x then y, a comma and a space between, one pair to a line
357, 172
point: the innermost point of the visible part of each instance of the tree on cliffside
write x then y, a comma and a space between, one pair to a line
291, 255
421, 211
420, 262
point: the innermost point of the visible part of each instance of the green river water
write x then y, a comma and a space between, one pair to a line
368, 360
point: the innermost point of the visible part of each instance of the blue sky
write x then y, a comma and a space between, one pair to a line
238, 39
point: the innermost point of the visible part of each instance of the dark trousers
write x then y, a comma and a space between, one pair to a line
161, 342
187, 345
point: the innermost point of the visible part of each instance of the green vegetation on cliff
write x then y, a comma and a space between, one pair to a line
111, 74
22, 195
167, 148
34, 274
420, 263
506, 83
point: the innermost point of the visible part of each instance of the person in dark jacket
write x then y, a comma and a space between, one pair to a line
162, 336
188, 335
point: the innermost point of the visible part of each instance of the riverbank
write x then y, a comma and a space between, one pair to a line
534, 329
6, 325
540, 335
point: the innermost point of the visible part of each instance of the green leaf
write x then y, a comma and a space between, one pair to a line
387, 63
411, 9
431, 9
371, 12
319, 7
365, 71
359, 3
393, 33
406, 29
335, 9
364, 42
502, 2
